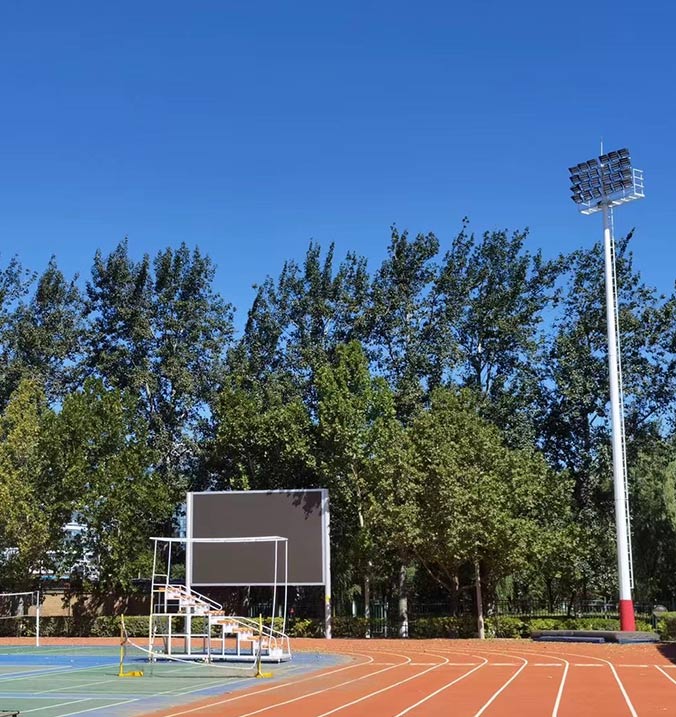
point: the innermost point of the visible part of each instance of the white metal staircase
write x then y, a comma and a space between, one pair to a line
207, 630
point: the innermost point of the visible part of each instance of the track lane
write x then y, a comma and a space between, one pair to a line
279, 697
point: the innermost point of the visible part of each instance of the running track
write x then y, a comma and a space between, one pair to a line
454, 678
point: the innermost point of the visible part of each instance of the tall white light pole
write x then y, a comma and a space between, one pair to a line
599, 185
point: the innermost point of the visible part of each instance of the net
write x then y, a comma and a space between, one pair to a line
20, 615
137, 660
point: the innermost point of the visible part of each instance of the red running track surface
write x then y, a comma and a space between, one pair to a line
463, 678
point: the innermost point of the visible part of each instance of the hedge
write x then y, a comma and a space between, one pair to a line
345, 627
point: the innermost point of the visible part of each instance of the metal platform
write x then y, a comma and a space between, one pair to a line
595, 636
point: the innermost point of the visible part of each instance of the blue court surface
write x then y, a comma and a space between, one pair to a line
57, 681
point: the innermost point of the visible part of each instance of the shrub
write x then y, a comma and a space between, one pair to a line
349, 626
305, 628
506, 627
449, 627
666, 626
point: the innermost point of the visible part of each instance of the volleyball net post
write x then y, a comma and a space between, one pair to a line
17, 611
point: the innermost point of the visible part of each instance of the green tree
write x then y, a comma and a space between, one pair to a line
480, 504
399, 320
160, 331
99, 453
358, 433
297, 321
261, 440
576, 430
653, 509
46, 334
15, 282
29, 520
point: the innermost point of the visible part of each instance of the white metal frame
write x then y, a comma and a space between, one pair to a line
195, 605
325, 547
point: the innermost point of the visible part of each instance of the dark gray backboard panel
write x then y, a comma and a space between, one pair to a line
300, 516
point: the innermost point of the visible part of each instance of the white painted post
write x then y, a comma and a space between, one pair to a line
627, 621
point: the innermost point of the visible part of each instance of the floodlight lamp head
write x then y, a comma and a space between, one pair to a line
605, 181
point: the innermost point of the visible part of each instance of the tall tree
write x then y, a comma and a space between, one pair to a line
15, 282
575, 431
261, 439
491, 298
160, 331
480, 504
99, 454
357, 433
297, 321
47, 333
400, 317
29, 523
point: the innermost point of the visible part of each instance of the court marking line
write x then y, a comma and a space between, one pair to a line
498, 692
113, 704
666, 674
444, 687
435, 666
74, 687
60, 704
32, 672
58, 671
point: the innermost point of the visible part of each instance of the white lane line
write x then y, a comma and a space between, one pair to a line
666, 674
323, 690
504, 687
621, 686
435, 665
288, 684
444, 687
503, 664
192, 690
588, 664
559, 694
546, 664
617, 679
625, 665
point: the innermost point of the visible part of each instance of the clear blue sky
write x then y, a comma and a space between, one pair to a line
249, 128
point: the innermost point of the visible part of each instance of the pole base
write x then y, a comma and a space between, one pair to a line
627, 621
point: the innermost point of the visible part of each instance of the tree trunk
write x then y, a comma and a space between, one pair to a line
453, 600
403, 602
479, 602
367, 604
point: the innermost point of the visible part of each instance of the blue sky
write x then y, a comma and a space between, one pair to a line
249, 128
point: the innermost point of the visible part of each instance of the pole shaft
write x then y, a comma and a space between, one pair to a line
626, 606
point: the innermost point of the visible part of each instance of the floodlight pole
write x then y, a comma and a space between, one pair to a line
627, 621
598, 185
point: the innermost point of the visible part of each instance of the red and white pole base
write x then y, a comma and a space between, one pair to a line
627, 621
